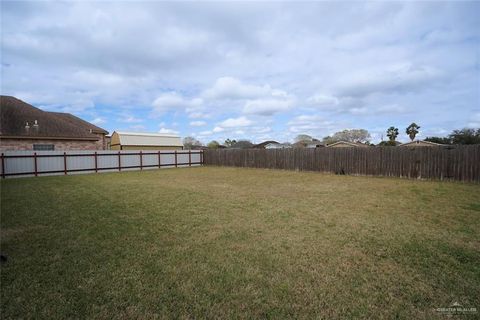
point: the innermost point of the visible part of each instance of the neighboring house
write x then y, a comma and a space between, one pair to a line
278, 146
346, 144
314, 143
25, 127
241, 144
264, 144
418, 143
144, 141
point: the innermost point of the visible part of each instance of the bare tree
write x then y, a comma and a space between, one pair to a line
191, 143
352, 135
303, 137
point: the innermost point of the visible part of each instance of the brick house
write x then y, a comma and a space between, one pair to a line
24, 127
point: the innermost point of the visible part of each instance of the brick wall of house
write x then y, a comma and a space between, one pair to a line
101, 144
27, 144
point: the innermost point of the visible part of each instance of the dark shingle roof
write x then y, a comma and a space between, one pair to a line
74, 120
15, 113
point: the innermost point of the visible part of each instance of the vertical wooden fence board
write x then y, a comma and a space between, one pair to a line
460, 163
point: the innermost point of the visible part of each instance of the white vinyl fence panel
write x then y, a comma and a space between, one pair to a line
35, 163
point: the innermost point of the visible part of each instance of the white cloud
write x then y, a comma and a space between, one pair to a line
310, 124
261, 100
198, 115
174, 101
235, 122
403, 77
359, 110
76, 105
198, 123
98, 121
390, 108
355, 65
230, 126
129, 119
306, 118
474, 121
267, 107
262, 130
137, 128
232, 88
166, 130
323, 100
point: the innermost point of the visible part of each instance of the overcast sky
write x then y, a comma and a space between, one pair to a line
248, 70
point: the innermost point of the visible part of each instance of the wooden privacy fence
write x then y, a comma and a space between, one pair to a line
460, 163
30, 163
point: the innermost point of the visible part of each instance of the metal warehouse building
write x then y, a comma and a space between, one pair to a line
144, 141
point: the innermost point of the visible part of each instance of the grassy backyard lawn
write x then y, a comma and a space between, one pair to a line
237, 243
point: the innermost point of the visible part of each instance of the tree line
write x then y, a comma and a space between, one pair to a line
461, 136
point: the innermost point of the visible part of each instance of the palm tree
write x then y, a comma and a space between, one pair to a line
412, 130
392, 133
228, 143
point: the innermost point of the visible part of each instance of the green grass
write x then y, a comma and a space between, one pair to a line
237, 243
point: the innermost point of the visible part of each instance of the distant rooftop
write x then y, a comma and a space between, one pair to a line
147, 134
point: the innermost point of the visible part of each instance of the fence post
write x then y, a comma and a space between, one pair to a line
190, 157
3, 166
141, 160
175, 158
202, 158
96, 165
64, 162
159, 160
119, 162
35, 163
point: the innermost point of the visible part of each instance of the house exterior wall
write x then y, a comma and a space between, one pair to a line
27, 144
102, 142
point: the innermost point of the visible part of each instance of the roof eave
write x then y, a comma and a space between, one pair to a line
49, 138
